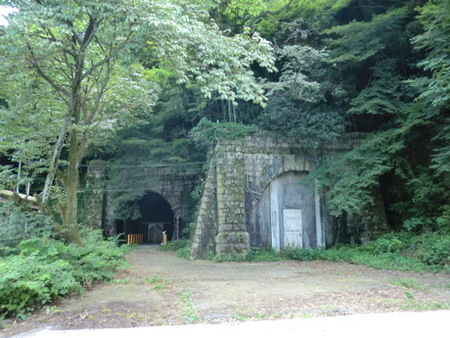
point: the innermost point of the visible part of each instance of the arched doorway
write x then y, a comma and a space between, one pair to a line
286, 213
156, 217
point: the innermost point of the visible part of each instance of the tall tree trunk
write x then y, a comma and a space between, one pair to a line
53, 167
71, 183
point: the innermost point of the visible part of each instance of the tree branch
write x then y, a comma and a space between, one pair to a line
265, 13
34, 64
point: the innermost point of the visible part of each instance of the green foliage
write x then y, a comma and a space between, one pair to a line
158, 282
28, 282
407, 283
313, 125
432, 249
396, 251
361, 255
390, 243
301, 254
303, 101
46, 269
302, 65
263, 255
207, 133
182, 248
359, 41
184, 253
383, 94
190, 312
18, 224
435, 89
175, 245
435, 17
76, 68
350, 179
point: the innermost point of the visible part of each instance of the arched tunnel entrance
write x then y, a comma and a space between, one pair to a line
156, 217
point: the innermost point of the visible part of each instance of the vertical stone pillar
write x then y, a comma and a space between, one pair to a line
203, 239
232, 235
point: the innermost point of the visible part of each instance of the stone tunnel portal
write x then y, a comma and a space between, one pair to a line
156, 216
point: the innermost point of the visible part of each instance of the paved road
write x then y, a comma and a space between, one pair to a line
400, 324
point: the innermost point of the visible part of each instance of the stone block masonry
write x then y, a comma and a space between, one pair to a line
237, 205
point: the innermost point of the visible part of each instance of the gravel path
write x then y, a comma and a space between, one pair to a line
161, 289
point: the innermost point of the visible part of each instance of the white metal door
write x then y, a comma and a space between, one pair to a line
293, 228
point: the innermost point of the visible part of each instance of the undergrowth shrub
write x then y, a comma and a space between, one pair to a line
396, 251
390, 243
182, 248
175, 245
18, 224
46, 269
301, 254
263, 255
184, 253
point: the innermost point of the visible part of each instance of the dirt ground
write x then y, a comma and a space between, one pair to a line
161, 289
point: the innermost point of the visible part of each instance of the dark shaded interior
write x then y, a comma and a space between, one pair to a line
156, 216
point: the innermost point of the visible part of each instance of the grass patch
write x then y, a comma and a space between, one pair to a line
121, 281
190, 312
158, 282
175, 245
412, 305
243, 315
395, 251
408, 283
404, 251
181, 247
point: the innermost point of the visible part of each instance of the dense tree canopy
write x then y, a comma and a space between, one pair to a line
76, 67
83, 76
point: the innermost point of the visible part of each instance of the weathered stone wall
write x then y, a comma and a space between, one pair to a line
174, 184
241, 170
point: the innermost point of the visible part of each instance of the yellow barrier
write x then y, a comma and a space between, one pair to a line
135, 238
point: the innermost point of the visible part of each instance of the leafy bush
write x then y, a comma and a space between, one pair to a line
396, 251
389, 243
433, 249
184, 253
207, 133
313, 123
182, 248
175, 245
27, 282
298, 254
263, 255
46, 269
18, 224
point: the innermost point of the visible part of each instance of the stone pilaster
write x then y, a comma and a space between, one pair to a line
232, 236
203, 238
